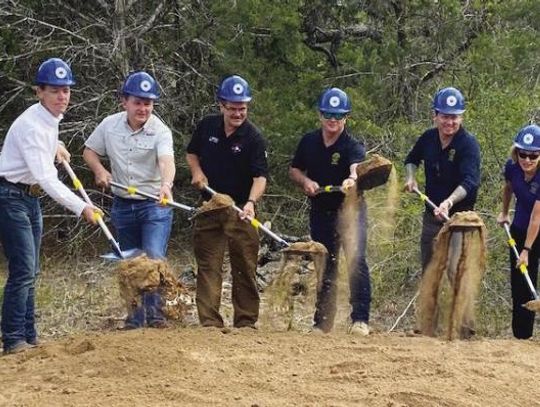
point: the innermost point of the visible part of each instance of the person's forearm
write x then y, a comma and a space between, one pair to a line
506, 198
457, 195
194, 164
167, 169
91, 158
297, 176
410, 170
257, 188
534, 226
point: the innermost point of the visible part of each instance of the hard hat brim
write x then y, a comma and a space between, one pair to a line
526, 148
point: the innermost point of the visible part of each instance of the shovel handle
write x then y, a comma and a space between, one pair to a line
329, 188
132, 191
254, 222
425, 198
97, 216
522, 267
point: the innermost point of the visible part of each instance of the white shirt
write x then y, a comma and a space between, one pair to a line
133, 154
28, 155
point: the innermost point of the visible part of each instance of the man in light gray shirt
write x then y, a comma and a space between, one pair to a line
140, 150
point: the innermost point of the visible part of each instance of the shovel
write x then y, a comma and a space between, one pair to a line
118, 254
425, 198
330, 188
531, 305
164, 201
254, 222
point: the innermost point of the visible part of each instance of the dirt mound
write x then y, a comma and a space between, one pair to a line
243, 367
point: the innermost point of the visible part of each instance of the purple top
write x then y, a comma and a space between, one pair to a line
527, 193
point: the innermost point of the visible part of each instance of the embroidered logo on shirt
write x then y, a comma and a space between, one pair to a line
534, 187
236, 148
451, 155
335, 158
213, 139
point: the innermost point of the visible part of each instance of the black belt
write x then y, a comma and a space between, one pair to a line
32, 190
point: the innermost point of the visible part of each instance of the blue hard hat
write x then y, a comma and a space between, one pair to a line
334, 100
54, 72
234, 89
141, 85
528, 138
449, 101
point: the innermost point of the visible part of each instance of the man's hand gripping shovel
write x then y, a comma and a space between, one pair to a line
533, 305
118, 253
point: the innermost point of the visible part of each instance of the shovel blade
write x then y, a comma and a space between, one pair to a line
126, 254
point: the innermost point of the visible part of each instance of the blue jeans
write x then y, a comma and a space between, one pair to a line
145, 225
324, 230
21, 226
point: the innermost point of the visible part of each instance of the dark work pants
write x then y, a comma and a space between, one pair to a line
324, 230
213, 232
430, 228
522, 318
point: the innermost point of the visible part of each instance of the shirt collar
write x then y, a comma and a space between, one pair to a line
143, 129
47, 116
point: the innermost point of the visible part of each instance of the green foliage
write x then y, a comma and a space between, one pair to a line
390, 57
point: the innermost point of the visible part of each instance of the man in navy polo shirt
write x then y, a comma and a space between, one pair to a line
451, 159
329, 156
228, 153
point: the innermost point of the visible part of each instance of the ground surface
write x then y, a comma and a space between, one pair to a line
197, 366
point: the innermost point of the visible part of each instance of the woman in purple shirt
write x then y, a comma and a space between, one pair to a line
523, 180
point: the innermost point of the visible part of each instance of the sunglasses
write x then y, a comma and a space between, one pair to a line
336, 116
531, 157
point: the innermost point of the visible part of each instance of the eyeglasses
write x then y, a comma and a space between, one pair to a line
336, 116
233, 109
532, 157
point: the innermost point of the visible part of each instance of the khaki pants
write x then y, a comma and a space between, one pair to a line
212, 233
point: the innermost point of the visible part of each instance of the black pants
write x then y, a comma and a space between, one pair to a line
522, 318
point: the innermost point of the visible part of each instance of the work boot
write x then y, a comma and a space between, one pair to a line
359, 328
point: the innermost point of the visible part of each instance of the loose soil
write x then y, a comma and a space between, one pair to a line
243, 367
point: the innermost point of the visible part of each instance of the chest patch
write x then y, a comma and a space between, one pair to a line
213, 139
236, 148
335, 158
534, 188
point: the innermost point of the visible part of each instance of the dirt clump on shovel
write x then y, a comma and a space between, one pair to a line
218, 201
141, 274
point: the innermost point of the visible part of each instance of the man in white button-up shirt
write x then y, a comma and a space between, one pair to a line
140, 150
27, 161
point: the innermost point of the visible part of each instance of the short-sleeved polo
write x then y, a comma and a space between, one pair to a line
526, 192
230, 163
327, 165
133, 154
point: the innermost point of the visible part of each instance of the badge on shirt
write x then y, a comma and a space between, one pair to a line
213, 139
236, 148
335, 158
451, 155
534, 188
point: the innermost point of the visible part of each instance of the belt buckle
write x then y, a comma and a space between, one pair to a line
34, 190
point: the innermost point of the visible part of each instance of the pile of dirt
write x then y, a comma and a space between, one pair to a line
218, 201
244, 367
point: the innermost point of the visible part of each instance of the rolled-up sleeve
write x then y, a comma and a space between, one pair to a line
469, 167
